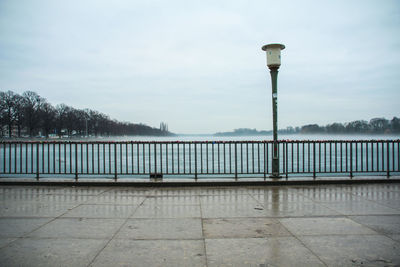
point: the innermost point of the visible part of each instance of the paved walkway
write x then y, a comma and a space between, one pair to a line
347, 225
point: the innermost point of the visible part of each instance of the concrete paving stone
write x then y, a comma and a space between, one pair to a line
360, 208
70, 199
229, 200
52, 190
255, 190
17, 227
377, 195
82, 190
79, 228
34, 209
171, 200
30, 190
4, 198
395, 237
122, 191
243, 228
102, 211
4, 241
321, 190
267, 191
182, 228
279, 189
50, 252
127, 252
45, 197
354, 250
390, 203
289, 209
284, 197
222, 191
268, 188
382, 195
177, 191
272, 251
167, 211
341, 197
116, 199
389, 199
387, 224
368, 189
324, 226
233, 210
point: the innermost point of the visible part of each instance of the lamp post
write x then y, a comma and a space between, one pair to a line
273, 63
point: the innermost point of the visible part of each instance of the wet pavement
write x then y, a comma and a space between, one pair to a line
321, 225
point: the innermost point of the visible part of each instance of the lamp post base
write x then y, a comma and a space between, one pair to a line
275, 164
275, 176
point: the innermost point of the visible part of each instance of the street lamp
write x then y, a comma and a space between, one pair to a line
273, 63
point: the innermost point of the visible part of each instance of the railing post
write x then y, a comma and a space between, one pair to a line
387, 160
155, 159
314, 161
265, 159
76, 161
285, 157
195, 160
4, 158
236, 161
161, 156
351, 159
115, 162
37, 161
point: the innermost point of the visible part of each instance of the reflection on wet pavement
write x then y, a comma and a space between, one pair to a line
204, 226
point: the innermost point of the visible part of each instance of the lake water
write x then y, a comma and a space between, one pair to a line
248, 138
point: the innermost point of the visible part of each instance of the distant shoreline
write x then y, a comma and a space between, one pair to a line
305, 134
209, 137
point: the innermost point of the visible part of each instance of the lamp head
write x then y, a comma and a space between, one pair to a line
273, 54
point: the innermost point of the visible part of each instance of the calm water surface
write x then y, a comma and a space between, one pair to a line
249, 138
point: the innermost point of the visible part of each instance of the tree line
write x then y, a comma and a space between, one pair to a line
374, 126
29, 114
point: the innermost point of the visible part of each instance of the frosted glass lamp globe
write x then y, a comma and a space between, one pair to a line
273, 54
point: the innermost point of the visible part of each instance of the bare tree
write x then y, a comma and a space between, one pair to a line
47, 117
2, 113
395, 125
8, 109
19, 107
378, 125
33, 104
61, 113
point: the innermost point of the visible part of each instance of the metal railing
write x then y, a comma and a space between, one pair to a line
205, 158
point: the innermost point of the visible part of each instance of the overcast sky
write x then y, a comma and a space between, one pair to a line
198, 65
